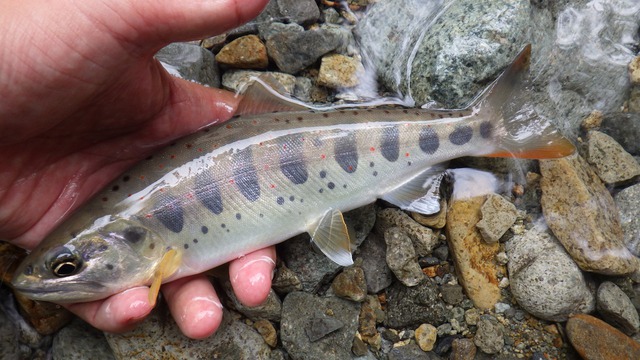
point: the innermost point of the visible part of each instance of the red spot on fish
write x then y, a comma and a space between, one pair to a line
254, 122
188, 146
161, 190
129, 195
141, 198
228, 126
141, 177
232, 181
350, 168
148, 216
406, 154
189, 196
161, 166
200, 149
104, 199
273, 186
372, 149
323, 156
260, 143
284, 146
266, 167
173, 156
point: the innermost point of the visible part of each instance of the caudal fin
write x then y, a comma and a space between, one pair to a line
519, 131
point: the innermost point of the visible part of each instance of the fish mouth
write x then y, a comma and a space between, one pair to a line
69, 293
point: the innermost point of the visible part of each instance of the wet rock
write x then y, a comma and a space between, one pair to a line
498, 214
412, 306
270, 309
236, 80
474, 258
436, 221
545, 281
582, 215
372, 254
284, 280
426, 335
350, 284
322, 325
463, 349
45, 317
452, 294
423, 238
634, 70
360, 221
401, 257
79, 340
410, 352
293, 49
370, 315
616, 308
299, 11
301, 312
339, 71
472, 316
158, 337
594, 339
489, 337
624, 128
190, 62
612, 164
268, 332
246, 52
627, 202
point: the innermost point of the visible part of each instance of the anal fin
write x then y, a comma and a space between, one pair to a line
170, 262
331, 236
419, 194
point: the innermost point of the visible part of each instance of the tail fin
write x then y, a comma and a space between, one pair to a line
519, 131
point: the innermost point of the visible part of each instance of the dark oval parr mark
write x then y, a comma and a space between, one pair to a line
170, 213
346, 151
461, 135
428, 140
390, 143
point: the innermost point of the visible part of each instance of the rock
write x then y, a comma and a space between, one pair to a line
498, 214
472, 316
436, 221
463, 349
158, 337
593, 121
299, 11
372, 254
79, 341
368, 318
45, 317
594, 339
489, 337
303, 312
190, 62
423, 238
474, 259
360, 221
426, 335
246, 52
634, 99
545, 281
9, 346
18, 339
401, 257
410, 352
612, 164
350, 284
582, 215
268, 332
634, 70
452, 294
236, 80
339, 71
616, 308
284, 280
625, 129
270, 309
627, 201
293, 49
412, 306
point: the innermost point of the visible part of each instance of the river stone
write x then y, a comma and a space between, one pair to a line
627, 201
437, 220
582, 215
545, 281
270, 309
372, 254
284, 280
489, 336
350, 284
339, 71
616, 307
412, 306
303, 12
236, 80
426, 335
474, 259
79, 340
624, 128
610, 161
423, 238
303, 312
190, 62
247, 52
594, 339
498, 214
401, 257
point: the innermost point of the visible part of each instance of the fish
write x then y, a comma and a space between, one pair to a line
277, 169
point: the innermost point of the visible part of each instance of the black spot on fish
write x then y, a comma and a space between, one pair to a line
126, 178
261, 215
323, 174
245, 175
170, 213
292, 163
486, 129
321, 191
238, 216
207, 191
280, 200
291, 198
409, 163
186, 246
204, 229
331, 185
195, 241
375, 173
428, 140
390, 143
461, 135
152, 246
344, 186
115, 188
223, 226
371, 164
346, 151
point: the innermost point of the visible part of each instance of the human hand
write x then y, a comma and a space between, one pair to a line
81, 100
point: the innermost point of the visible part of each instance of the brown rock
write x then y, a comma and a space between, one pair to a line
593, 121
350, 284
611, 162
474, 258
582, 215
426, 335
339, 71
463, 349
268, 332
594, 339
634, 70
436, 220
246, 52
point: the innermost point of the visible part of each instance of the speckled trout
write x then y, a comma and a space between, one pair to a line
266, 176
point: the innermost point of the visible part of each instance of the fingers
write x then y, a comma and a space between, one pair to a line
194, 305
251, 276
117, 313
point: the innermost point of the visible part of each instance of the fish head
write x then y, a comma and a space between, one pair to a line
111, 255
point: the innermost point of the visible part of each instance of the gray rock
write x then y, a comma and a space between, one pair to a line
415, 305
624, 128
18, 339
489, 336
9, 346
498, 214
269, 310
236, 80
372, 254
289, 11
411, 352
158, 337
452, 294
79, 340
304, 313
284, 280
627, 202
616, 308
401, 257
190, 62
611, 162
360, 221
423, 238
544, 279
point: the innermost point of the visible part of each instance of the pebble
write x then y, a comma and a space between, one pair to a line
350, 284
236, 80
190, 62
474, 258
463, 349
627, 202
424, 240
339, 71
452, 294
410, 351
616, 308
582, 215
472, 316
359, 348
544, 280
436, 221
501, 308
489, 337
284, 280
401, 257
246, 52
594, 339
267, 331
426, 336
94, 345
368, 318
372, 253
624, 128
634, 70
610, 161
498, 214
412, 306
270, 309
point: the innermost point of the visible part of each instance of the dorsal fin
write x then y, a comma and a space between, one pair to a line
264, 95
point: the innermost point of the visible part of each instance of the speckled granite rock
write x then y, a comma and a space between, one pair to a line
627, 201
339, 71
489, 337
624, 128
612, 164
190, 62
616, 307
423, 238
498, 214
415, 305
401, 257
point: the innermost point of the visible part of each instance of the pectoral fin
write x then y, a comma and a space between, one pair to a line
166, 267
420, 194
331, 236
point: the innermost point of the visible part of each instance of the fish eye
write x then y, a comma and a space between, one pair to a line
65, 264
